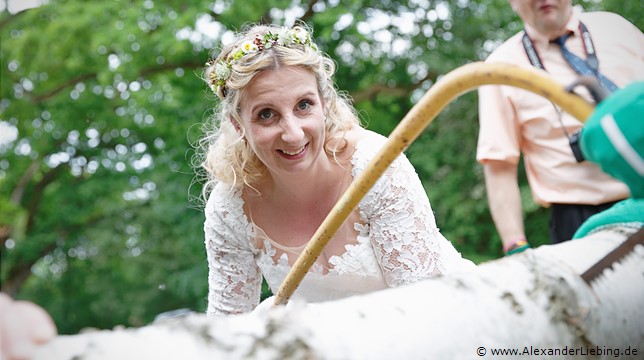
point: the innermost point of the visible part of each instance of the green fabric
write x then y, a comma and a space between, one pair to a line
627, 211
626, 107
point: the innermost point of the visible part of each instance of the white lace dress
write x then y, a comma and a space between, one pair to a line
397, 243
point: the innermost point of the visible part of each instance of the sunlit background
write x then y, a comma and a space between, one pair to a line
14, 6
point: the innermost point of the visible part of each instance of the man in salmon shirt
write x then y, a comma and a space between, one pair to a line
567, 44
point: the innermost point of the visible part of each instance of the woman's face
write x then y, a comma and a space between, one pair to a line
283, 119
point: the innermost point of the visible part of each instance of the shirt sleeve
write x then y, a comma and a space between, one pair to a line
499, 130
402, 228
234, 279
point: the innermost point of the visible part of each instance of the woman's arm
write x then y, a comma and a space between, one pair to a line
234, 279
403, 231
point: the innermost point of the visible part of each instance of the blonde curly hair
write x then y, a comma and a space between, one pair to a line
226, 157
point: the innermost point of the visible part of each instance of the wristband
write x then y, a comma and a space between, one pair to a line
516, 246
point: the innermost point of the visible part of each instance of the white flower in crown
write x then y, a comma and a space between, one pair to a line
222, 71
286, 37
301, 34
249, 47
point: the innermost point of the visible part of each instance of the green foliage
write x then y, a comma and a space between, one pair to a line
98, 218
101, 161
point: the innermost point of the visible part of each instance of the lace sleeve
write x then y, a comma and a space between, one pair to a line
234, 279
402, 227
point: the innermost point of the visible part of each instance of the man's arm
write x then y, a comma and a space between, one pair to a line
504, 200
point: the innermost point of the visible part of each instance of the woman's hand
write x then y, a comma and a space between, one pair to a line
23, 326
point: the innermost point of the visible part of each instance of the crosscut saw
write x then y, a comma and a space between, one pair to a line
449, 87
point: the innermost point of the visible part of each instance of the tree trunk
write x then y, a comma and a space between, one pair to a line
531, 305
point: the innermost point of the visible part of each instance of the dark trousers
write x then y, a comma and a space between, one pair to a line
567, 218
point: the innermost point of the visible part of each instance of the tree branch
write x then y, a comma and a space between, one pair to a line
5, 231
10, 18
18, 274
308, 14
37, 99
37, 194
19, 190
369, 94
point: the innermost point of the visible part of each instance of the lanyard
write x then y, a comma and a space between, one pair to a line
591, 60
589, 48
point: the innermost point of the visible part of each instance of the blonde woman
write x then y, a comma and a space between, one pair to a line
286, 147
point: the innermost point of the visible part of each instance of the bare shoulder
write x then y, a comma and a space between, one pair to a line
356, 134
346, 142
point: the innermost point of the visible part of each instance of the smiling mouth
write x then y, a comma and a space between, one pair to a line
296, 152
546, 7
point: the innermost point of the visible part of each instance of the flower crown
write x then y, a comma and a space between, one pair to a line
284, 37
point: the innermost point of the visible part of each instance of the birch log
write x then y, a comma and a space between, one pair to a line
534, 303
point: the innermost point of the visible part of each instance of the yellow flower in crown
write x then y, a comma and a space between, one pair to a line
221, 70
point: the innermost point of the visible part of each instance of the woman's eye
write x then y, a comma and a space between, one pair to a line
265, 114
304, 105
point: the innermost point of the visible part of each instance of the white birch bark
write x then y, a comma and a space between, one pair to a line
534, 301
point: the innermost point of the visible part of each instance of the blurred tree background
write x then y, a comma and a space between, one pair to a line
102, 102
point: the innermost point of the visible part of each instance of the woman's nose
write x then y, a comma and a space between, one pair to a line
292, 130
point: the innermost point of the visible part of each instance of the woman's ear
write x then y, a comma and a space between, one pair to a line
236, 125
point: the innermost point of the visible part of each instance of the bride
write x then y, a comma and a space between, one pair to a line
286, 146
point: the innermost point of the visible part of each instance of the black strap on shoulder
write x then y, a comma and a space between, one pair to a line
589, 48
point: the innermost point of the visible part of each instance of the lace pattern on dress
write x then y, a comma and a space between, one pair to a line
400, 220
234, 280
356, 271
